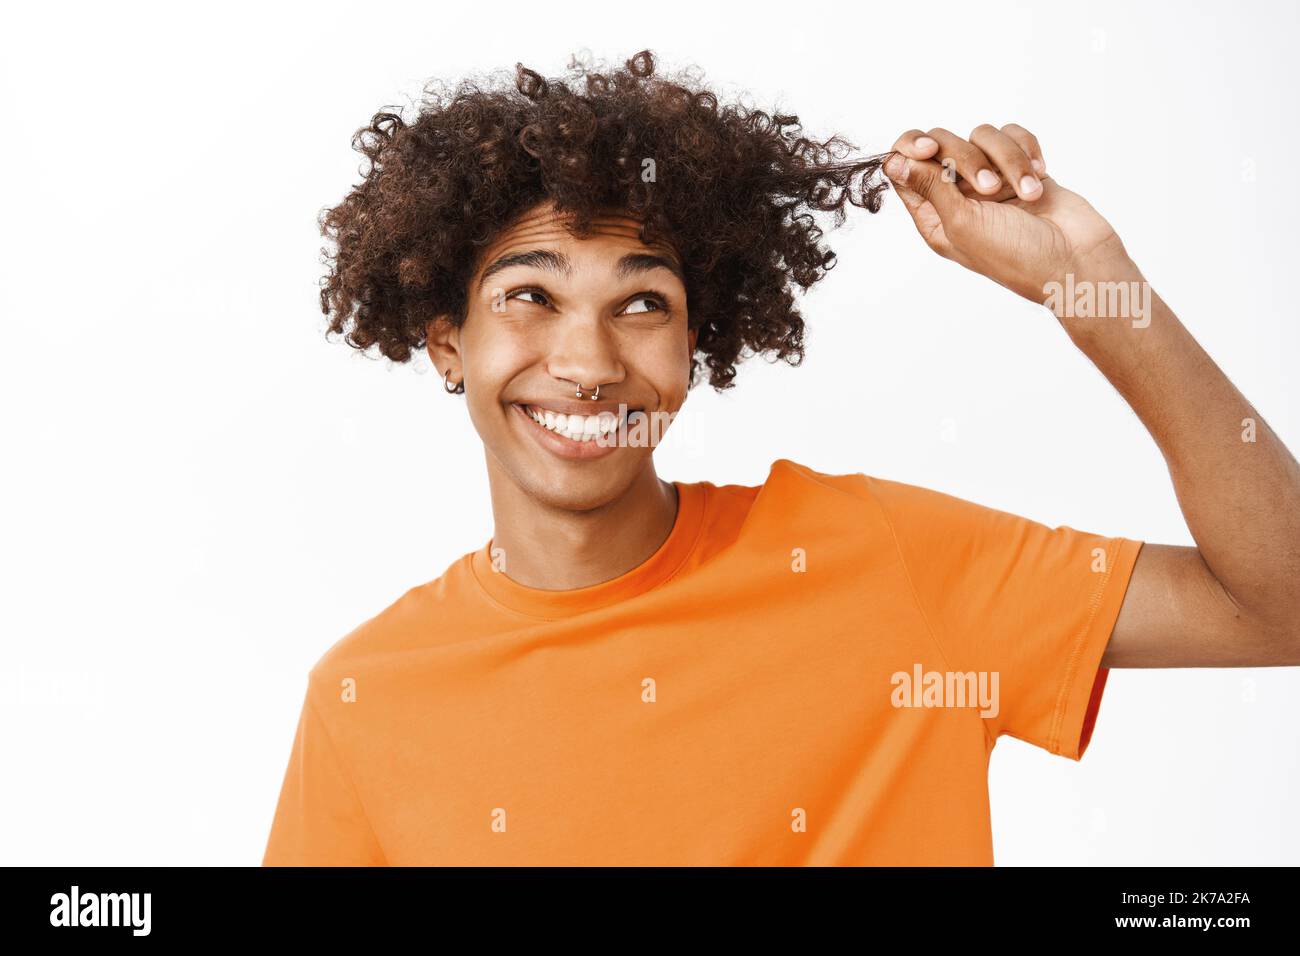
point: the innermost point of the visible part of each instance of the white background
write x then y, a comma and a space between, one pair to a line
201, 494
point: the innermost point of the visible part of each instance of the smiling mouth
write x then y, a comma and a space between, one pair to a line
578, 428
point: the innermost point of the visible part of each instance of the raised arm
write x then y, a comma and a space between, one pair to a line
988, 204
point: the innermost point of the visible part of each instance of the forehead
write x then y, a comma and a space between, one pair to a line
543, 227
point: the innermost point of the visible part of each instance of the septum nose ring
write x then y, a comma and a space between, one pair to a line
593, 397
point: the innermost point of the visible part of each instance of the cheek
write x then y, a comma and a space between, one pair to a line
492, 362
667, 372
493, 358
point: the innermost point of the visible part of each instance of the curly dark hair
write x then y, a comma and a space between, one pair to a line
733, 190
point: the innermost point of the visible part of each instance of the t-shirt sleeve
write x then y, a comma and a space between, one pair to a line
319, 820
1010, 596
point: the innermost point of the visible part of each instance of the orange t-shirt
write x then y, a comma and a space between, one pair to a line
778, 684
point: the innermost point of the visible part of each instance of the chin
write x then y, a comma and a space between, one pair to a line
575, 488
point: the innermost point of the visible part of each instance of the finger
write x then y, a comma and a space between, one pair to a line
1004, 192
925, 178
1010, 158
1029, 143
915, 145
960, 158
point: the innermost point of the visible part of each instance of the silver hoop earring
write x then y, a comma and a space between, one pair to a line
459, 388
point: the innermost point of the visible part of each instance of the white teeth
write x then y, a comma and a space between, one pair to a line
575, 427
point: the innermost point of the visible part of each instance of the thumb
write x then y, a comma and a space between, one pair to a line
927, 221
924, 178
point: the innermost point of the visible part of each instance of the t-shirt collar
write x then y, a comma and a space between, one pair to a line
655, 570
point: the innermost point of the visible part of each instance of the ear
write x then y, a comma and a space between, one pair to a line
693, 337
442, 342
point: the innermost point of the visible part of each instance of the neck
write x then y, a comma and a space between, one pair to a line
549, 546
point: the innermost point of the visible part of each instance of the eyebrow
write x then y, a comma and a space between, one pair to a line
633, 263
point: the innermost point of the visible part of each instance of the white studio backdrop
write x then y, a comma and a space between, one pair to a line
200, 494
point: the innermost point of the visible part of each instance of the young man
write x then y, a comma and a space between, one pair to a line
809, 671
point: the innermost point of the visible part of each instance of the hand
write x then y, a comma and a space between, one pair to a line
989, 205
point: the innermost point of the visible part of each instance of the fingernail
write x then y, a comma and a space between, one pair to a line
1028, 185
1038, 165
924, 142
987, 179
894, 166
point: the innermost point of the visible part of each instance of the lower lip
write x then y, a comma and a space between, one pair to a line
557, 444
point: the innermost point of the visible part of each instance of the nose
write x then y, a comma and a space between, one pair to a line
585, 352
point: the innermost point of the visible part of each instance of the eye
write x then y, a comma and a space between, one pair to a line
659, 305
537, 292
